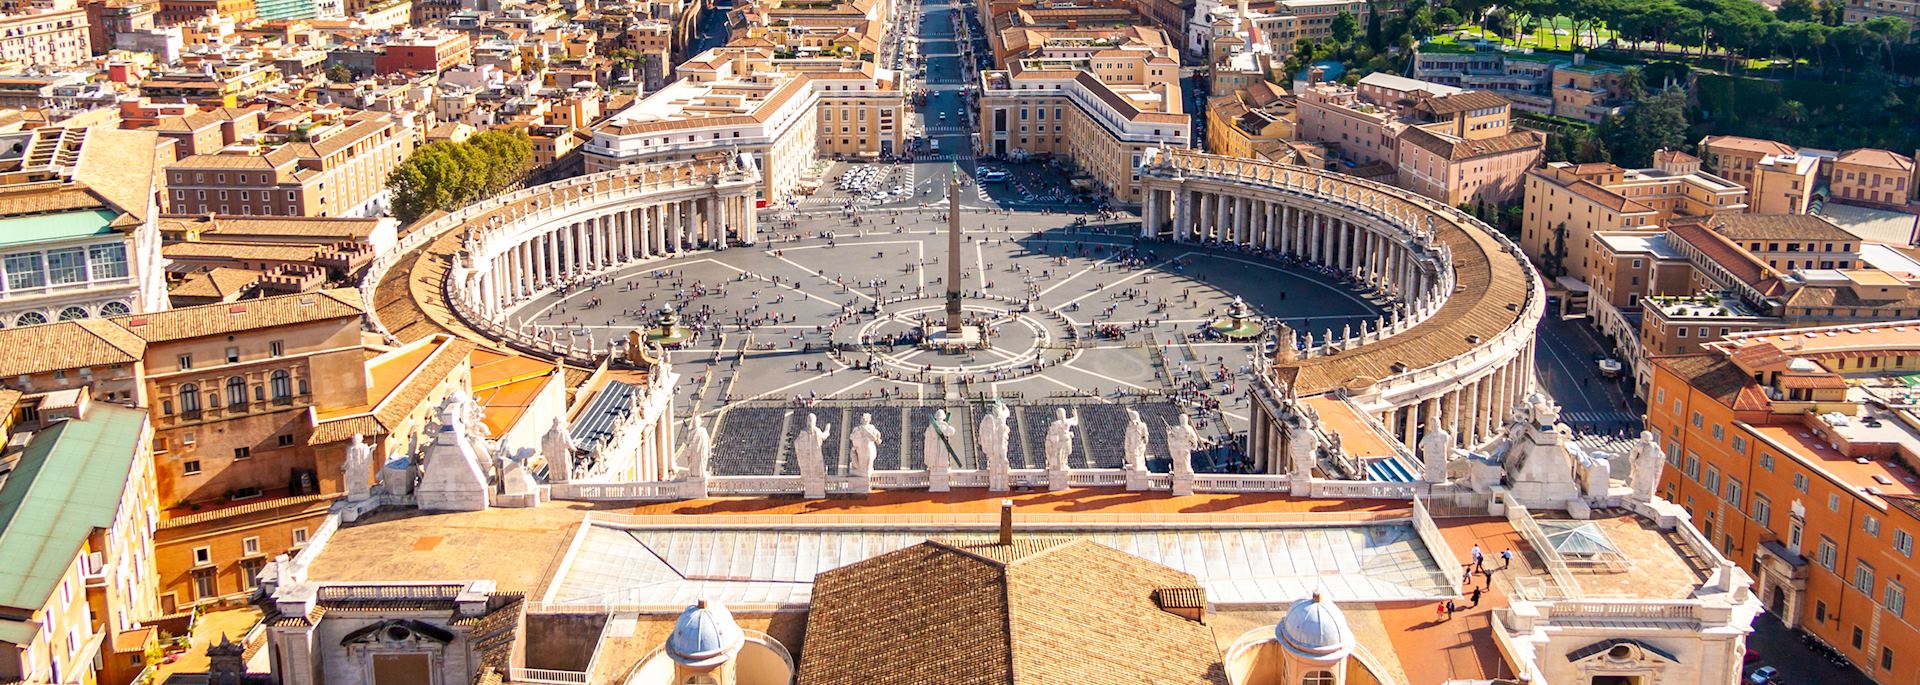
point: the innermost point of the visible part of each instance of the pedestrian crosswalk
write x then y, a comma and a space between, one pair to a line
1600, 418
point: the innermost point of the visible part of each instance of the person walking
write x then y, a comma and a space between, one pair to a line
1478, 558
1476, 597
1506, 558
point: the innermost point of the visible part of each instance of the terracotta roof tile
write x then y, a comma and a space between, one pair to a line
217, 319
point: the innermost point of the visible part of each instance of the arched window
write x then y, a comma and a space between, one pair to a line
282, 386
115, 309
72, 313
1318, 678
30, 319
189, 398
236, 392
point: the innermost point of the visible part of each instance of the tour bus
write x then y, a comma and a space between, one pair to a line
992, 175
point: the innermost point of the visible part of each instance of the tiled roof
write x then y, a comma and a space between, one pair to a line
1748, 227
962, 613
1716, 377
1462, 102
1754, 145
67, 345
1457, 149
1843, 296
1718, 249
217, 283
217, 319
1884, 159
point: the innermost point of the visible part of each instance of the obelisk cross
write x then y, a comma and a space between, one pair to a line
953, 252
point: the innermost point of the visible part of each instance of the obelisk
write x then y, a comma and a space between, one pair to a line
953, 254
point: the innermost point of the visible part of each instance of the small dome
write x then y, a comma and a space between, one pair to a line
704, 636
1315, 629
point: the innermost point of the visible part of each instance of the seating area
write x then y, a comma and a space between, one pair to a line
748, 439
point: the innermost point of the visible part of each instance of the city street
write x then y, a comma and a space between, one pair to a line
1590, 403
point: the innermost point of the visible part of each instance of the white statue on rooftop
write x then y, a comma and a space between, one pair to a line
993, 442
1134, 447
936, 450
1435, 447
357, 469
811, 458
1182, 439
557, 447
1060, 447
1646, 465
691, 462
865, 439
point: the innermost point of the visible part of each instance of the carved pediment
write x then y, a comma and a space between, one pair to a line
397, 631
1620, 652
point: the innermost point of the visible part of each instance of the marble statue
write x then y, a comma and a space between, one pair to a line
1645, 467
1435, 447
936, 450
557, 447
1060, 438
1134, 446
993, 442
1182, 439
811, 458
1593, 472
452, 478
866, 445
1302, 450
692, 459
356, 470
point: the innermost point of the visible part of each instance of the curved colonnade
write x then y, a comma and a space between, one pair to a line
1459, 350
513, 251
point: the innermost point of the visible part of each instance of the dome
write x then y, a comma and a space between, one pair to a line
1315, 629
704, 636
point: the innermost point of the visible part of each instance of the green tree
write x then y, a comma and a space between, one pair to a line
1797, 10
339, 73
445, 175
1650, 123
1344, 27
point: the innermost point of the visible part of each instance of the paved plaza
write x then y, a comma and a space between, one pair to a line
1078, 312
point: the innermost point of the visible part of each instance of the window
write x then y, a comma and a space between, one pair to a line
250, 546
186, 361
1820, 610
1766, 461
275, 348
1697, 419
1833, 502
1827, 553
25, 271
1693, 466
281, 384
1733, 492
236, 393
1895, 598
1863, 577
1871, 525
190, 467
1859, 637
1800, 482
1762, 509
1739, 444
1318, 678
205, 585
299, 537
202, 556
242, 453
1712, 481
285, 439
250, 573
67, 266
1903, 542
1719, 432
233, 355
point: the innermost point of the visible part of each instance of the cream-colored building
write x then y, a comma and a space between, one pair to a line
1872, 177
1593, 198
45, 34
77, 518
79, 238
341, 171
778, 112
1783, 184
1099, 111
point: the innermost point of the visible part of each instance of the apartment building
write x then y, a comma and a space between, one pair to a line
77, 519
214, 85
1255, 122
1575, 87
1100, 112
80, 240
782, 113
1280, 23
1462, 149
108, 19
1862, 10
423, 52
1794, 452
1783, 184
45, 35
176, 12
1360, 131
1866, 176
1566, 204
341, 171
206, 132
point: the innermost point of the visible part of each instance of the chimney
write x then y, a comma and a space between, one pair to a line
1006, 522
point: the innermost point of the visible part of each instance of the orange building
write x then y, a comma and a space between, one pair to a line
1797, 453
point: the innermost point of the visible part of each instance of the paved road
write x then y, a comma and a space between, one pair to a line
1589, 403
1780, 647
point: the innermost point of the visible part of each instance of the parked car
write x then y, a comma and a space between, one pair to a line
1764, 675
